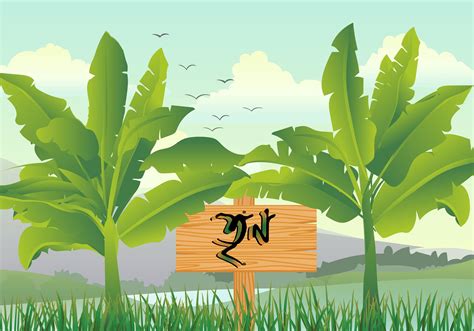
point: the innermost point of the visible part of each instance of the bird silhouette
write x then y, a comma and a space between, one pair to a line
159, 35
213, 129
252, 109
187, 67
197, 97
225, 80
221, 117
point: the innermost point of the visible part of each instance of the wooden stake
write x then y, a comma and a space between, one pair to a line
244, 201
244, 291
244, 281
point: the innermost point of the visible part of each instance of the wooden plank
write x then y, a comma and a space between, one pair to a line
291, 246
288, 262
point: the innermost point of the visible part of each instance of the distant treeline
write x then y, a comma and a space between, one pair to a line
19, 286
402, 257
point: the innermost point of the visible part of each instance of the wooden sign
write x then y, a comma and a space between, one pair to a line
290, 244
245, 238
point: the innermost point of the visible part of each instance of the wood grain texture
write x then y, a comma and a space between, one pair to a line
292, 244
244, 290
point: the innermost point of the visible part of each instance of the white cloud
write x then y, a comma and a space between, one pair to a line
434, 69
256, 79
50, 66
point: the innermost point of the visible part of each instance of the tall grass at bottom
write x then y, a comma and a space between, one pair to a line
281, 309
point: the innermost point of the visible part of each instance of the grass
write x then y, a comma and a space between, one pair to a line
287, 309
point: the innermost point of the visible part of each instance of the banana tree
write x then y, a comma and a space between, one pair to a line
81, 193
388, 163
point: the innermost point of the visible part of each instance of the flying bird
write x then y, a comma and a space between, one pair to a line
221, 117
252, 109
159, 35
213, 129
225, 80
197, 97
187, 67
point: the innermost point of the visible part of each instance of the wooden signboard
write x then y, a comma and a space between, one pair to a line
245, 238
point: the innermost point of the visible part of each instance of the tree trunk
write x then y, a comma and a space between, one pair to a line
371, 292
371, 317
112, 278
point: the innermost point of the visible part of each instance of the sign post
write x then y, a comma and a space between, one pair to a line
244, 281
245, 238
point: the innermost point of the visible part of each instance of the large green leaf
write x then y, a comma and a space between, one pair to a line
40, 112
34, 109
298, 187
304, 140
428, 185
88, 190
419, 129
40, 169
52, 207
75, 141
71, 137
130, 174
50, 188
196, 154
321, 167
393, 89
151, 90
166, 206
45, 193
61, 181
152, 126
355, 133
107, 91
35, 240
457, 204
145, 123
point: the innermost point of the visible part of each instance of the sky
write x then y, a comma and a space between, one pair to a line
274, 50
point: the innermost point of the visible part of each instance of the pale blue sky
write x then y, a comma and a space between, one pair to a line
295, 35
